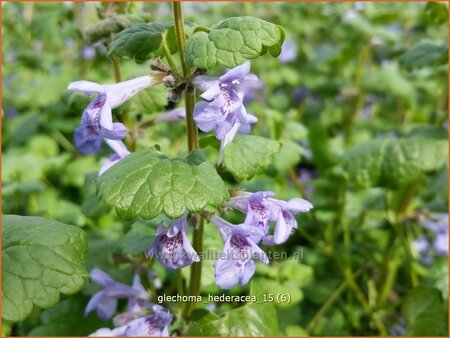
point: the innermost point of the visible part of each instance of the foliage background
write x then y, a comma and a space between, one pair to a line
350, 83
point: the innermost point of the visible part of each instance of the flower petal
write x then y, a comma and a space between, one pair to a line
104, 306
190, 252
93, 302
227, 139
106, 115
247, 272
118, 147
120, 92
105, 332
100, 277
206, 115
118, 131
245, 117
108, 163
87, 140
298, 205
156, 324
209, 86
236, 73
87, 87
227, 273
174, 115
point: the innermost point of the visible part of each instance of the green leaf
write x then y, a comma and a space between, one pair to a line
425, 312
41, 259
437, 275
423, 54
104, 28
250, 320
91, 205
289, 155
296, 331
202, 323
233, 41
393, 162
138, 41
152, 100
140, 237
67, 319
249, 155
147, 183
263, 286
388, 80
437, 12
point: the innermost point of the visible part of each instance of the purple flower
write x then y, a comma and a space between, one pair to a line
422, 246
154, 325
105, 301
137, 306
288, 52
88, 52
172, 247
225, 112
261, 208
105, 332
174, 115
437, 224
299, 94
96, 121
250, 90
121, 152
236, 263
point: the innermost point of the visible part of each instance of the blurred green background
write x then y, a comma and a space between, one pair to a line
357, 72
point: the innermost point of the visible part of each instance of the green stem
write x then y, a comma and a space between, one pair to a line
192, 140
168, 56
349, 115
196, 270
180, 285
192, 132
179, 31
330, 301
398, 203
407, 240
389, 267
116, 68
63, 141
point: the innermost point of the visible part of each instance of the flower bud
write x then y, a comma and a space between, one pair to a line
170, 81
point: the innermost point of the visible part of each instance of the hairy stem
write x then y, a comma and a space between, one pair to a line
192, 132
192, 140
169, 56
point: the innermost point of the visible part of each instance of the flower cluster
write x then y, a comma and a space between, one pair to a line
224, 110
225, 113
236, 265
136, 321
96, 121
